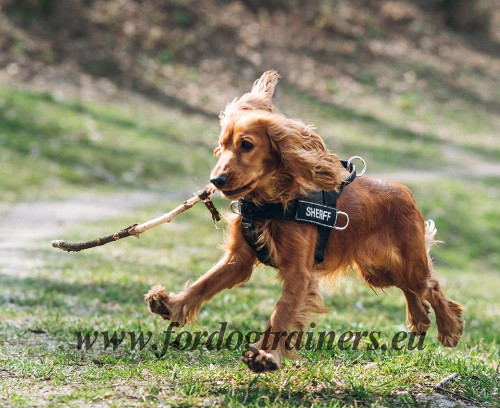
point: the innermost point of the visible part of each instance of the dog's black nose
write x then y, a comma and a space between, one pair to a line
219, 181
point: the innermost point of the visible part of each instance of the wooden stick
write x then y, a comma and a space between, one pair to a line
440, 387
137, 229
446, 380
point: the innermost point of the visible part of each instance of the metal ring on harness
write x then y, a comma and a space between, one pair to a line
349, 162
235, 207
346, 221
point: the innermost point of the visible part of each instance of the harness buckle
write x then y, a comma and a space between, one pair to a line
346, 221
235, 207
349, 163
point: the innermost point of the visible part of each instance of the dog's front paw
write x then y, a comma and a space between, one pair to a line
158, 301
259, 361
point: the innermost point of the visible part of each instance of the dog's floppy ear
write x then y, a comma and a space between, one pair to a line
266, 84
259, 98
305, 165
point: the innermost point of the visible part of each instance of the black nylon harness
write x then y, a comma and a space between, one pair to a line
319, 208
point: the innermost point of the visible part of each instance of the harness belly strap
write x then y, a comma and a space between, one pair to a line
319, 208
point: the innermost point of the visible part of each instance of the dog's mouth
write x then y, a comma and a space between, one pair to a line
239, 191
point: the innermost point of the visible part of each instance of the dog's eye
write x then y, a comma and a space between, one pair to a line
246, 146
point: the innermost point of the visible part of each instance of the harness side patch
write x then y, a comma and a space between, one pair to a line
316, 213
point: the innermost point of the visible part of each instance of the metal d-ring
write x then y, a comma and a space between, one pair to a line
346, 221
349, 162
235, 207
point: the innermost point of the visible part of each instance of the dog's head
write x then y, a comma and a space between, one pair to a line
272, 158
267, 156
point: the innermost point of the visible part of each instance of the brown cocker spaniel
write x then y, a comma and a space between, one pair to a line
268, 158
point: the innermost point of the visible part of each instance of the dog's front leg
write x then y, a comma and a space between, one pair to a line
266, 354
235, 268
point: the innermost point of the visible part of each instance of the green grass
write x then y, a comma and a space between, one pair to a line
102, 289
50, 145
58, 148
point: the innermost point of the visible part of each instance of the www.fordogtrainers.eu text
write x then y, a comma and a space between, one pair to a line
175, 339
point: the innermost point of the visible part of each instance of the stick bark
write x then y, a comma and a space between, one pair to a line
137, 229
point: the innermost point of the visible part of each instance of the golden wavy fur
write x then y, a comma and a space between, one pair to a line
269, 157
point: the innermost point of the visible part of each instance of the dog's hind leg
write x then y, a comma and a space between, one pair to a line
417, 313
417, 309
449, 319
409, 273
422, 288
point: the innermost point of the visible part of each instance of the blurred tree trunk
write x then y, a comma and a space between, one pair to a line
469, 15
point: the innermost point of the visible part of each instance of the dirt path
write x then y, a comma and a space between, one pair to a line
30, 226
23, 224
458, 164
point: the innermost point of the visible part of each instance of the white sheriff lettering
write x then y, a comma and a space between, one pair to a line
318, 213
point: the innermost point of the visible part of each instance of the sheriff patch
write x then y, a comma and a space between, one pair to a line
315, 213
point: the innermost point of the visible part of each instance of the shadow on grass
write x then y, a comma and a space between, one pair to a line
349, 114
75, 158
33, 292
388, 131
451, 90
151, 92
126, 124
327, 394
443, 86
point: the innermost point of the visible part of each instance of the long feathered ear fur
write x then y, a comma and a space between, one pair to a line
305, 163
266, 83
259, 98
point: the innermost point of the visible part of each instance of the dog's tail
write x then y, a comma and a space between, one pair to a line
430, 233
430, 241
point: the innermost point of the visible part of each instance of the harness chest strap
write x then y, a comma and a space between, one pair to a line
319, 208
